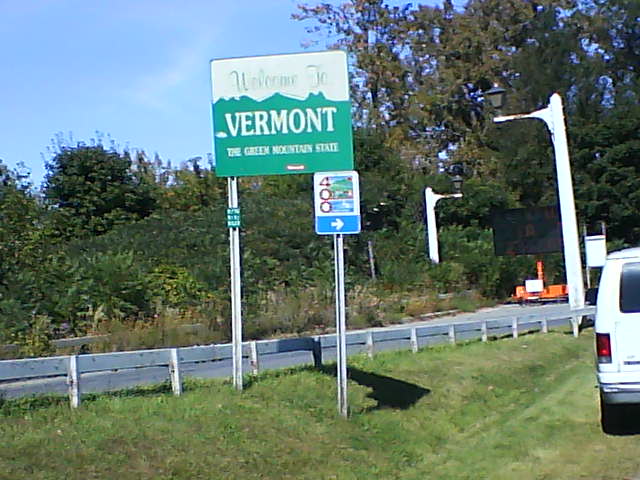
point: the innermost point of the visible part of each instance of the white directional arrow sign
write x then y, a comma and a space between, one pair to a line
337, 202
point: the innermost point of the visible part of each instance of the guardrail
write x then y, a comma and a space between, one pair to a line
75, 342
69, 373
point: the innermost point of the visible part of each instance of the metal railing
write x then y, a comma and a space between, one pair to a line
75, 374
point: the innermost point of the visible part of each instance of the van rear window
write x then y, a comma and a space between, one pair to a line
630, 288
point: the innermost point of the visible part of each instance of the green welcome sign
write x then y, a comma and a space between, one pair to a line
281, 114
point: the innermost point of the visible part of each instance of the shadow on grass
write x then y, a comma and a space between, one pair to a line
626, 422
36, 402
388, 392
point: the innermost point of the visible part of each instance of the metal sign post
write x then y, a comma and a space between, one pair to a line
233, 223
341, 325
337, 209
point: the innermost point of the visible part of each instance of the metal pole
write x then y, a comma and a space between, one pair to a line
372, 262
570, 238
341, 342
553, 117
430, 200
587, 271
236, 298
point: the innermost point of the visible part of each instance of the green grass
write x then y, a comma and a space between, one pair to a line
510, 409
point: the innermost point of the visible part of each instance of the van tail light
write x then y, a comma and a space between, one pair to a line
603, 347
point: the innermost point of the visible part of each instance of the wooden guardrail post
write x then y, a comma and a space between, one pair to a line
369, 343
253, 357
414, 340
174, 371
73, 381
483, 331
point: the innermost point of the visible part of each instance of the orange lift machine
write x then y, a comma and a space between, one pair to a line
535, 291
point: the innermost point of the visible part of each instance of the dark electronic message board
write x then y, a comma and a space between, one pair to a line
523, 231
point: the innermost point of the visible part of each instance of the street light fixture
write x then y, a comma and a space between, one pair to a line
456, 171
496, 96
553, 117
457, 184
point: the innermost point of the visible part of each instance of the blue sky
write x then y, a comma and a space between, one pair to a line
137, 70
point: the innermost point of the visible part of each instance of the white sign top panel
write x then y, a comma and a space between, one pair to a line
294, 75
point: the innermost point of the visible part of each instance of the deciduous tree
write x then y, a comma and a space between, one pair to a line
91, 189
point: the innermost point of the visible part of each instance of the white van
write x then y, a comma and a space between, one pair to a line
617, 328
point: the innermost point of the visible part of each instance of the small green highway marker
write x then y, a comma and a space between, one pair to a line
233, 218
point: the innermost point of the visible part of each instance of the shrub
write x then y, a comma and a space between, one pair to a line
36, 341
112, 285
175, 286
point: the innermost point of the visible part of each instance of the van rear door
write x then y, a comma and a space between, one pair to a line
627, 323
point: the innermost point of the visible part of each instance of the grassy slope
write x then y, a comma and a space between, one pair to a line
524, 408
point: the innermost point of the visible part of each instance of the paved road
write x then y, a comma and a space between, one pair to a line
116, 380
503, 311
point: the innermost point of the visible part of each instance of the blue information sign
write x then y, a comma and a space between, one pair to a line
337, 202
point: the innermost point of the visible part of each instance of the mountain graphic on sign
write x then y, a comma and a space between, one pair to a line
245, 103
279, 114
342, 187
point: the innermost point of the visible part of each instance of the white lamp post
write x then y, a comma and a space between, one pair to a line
430, 200
553, 117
